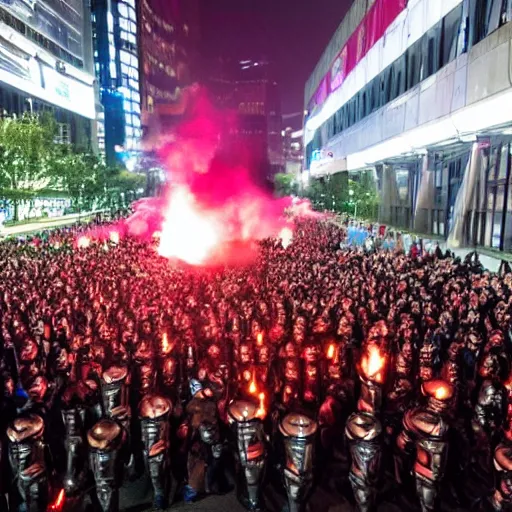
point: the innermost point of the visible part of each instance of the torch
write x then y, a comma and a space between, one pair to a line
245, 418
371, 373
363, 432
299, 435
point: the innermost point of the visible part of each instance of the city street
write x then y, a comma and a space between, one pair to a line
302, 271
49, 223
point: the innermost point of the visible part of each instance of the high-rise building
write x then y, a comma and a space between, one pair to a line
169, 39
247, 88
116, 61
46, 64
293, 151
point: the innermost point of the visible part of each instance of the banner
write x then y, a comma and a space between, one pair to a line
372, 28
339, 70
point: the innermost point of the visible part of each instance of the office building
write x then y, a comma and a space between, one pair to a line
46, 64
293, 151
247, 88
419, 92
169, 46
116, 61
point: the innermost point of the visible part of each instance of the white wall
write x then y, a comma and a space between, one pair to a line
467, 96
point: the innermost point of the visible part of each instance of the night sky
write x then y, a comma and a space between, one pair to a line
290, 33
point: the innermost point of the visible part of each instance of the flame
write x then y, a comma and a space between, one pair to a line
286, 236
252, 387
259, 339
166, 346
330, 351
261, 412
441, 392
114, 237
59, 502
373, 364
83, 242
187, 233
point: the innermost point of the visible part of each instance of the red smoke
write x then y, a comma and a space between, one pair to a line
212, 206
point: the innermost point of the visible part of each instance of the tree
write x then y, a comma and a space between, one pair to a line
71, 172
365, 196
25, 146
285, 185
122, 186
315, 192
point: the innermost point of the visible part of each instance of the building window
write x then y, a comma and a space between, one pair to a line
493, 217
452, 25
63, 133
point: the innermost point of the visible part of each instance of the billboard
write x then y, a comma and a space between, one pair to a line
60, 21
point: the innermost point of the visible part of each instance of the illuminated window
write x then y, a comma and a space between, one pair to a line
124, 24
123, 10
110, 22
125, 57
113, 71
132, 15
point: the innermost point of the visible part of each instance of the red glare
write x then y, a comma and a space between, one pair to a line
58, 504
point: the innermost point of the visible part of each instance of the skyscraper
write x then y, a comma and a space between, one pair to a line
46, 64
248, 89
116, 60
169, 37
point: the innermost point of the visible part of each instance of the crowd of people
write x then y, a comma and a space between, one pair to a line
112, 352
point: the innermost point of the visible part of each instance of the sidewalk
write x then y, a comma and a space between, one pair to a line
49, 223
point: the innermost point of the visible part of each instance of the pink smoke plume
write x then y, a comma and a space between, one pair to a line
213, 208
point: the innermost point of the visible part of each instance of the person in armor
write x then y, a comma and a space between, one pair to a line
501, 499
364, 433
489, 409
423, 441
26, 448
204, 444
154, 413
105, 440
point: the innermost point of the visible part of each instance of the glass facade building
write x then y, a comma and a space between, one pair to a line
116, 61
46, 64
